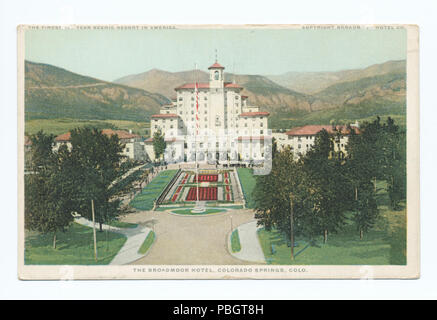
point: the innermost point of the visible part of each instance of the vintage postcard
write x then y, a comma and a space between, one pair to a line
218, 152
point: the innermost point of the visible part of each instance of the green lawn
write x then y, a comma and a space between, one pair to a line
147, 243
190, 213
248, 182
342, 249
144, 200
235, 241
74, 247
385, 244
120, 224
60, 126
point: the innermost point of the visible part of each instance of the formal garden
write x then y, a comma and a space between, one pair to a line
145, 199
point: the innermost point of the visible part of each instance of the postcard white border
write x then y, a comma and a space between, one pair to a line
409, 271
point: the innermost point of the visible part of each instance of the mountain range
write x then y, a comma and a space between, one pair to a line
292, 98
52, 92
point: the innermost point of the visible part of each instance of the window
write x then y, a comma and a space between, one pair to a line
261, 124
245, 125
192, 98
127, 149
236, 97
262, 132
180, 99
216, 75
206, 98
299, 146
192, 111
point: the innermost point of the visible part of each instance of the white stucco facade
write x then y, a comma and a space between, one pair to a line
213, 120
301, 139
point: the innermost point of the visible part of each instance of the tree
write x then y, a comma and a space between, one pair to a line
378, 152
159, 144
394, 162
97, 160
48, 205
278, 198
327, 185
366, 210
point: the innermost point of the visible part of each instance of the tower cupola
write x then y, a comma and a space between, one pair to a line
216, 79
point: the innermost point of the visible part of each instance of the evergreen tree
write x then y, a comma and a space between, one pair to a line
97, 164
327, 185
159, 144
278, 197
48, 205
366, 210
394, 162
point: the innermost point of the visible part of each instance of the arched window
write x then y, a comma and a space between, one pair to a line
216, 75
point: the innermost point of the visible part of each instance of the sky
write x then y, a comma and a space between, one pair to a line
109, 54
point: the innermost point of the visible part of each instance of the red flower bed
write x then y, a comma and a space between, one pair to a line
176, 194
184, 180
205, 194
206, 178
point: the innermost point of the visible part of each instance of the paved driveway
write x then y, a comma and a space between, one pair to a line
190, 239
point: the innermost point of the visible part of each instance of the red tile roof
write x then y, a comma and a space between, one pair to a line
216, 66
108, 132
120, 133
232, 85
63, 137
165, 115
200, 85
311, 130
255, 114
205, 85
